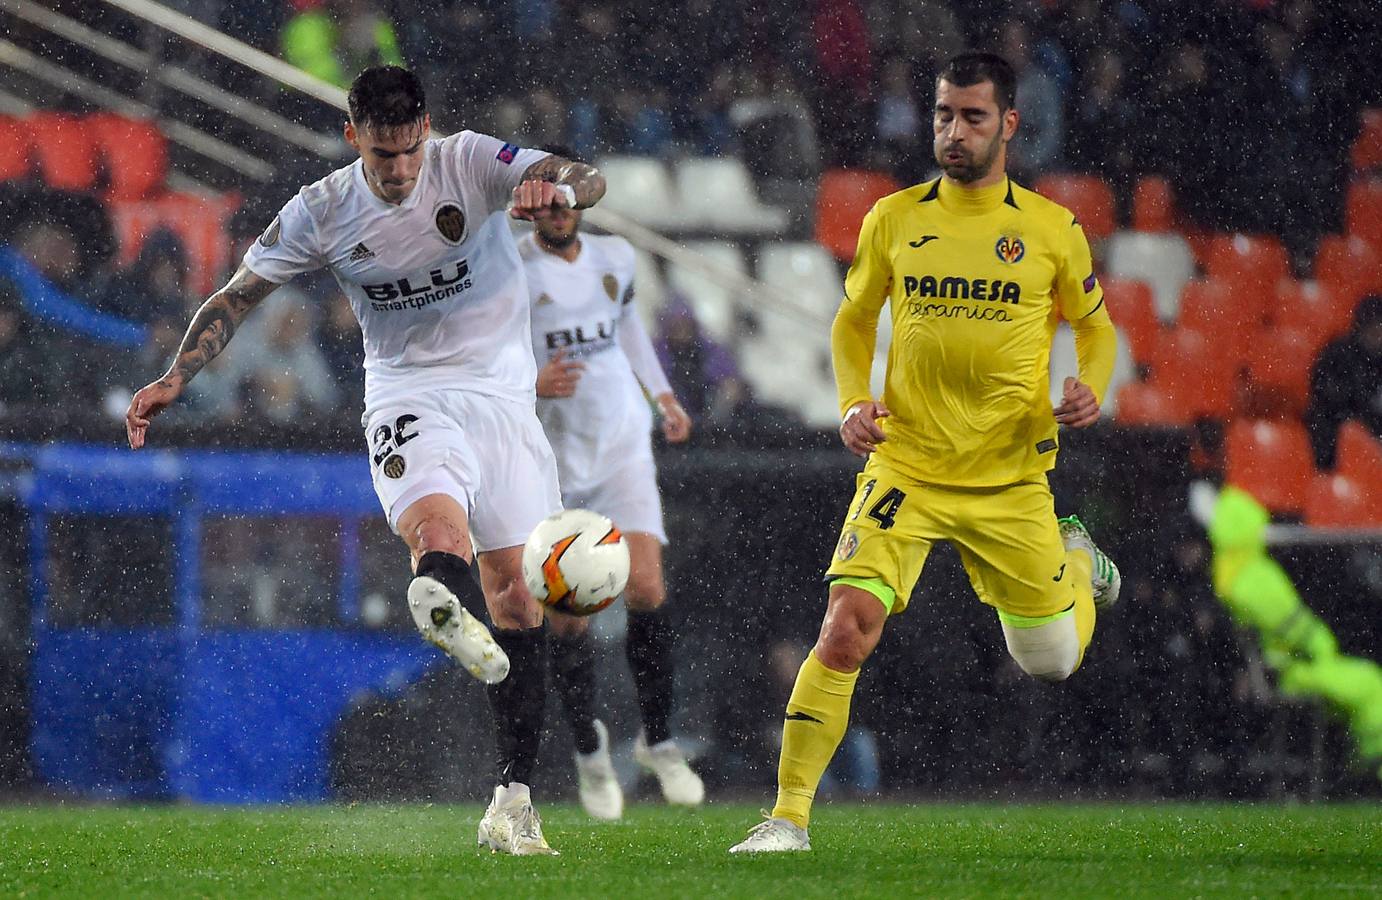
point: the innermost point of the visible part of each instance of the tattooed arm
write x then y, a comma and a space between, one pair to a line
212, 327
539, 187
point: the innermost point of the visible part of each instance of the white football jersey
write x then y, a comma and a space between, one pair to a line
435, 281
585, 310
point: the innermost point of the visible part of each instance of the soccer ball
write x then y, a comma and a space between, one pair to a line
576, 562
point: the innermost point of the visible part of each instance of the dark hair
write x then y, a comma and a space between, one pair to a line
386, 97
973, 68
561, 150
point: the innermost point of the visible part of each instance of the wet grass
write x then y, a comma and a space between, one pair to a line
879, 850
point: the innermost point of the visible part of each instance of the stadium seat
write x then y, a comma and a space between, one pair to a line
1350, 266
15, 161
1087, 196
1217, 308
1153, 205
786, 362
714, 304
639, 187
1271, 460
843, 198
717, 194
650, 292
1164, 261
1131, 306
806, 271
1146, 404
1358, 454
1279, 362
1195, 372
1253, 264
135, 154
66, 150
1065, 362
1363, 214
1312, 308
1338, 501
200, 222
1366, 153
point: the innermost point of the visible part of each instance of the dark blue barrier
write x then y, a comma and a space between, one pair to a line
214, 715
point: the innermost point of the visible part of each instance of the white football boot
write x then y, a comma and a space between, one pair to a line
680, 785
444, 622
1104, 574
600, 792
511, 825
774, 836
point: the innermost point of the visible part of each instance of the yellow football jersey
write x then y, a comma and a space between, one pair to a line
977, 281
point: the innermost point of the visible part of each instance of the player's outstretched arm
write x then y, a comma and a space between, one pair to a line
211, 329
555, 181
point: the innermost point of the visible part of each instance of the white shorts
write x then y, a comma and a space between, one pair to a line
488, 453
628, 495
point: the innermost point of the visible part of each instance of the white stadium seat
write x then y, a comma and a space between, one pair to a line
717, 194
639, 187
1064, 363
648, 289
714, 304
805, 270
1163, 260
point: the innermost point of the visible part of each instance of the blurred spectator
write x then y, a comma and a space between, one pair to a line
701, 372
901, 125
35, 370
777, 135
153, 288
844, 69
1041, 131
1106, 130
282, 375
334, 40
1191, 119
1346, 382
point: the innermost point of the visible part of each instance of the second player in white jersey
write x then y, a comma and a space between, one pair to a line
597, 373
583, 312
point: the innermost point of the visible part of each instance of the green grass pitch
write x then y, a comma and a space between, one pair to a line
876, 850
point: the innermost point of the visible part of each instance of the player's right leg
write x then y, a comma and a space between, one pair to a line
877, 561
573, 675
446, 602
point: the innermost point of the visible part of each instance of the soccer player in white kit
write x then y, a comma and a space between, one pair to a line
597, 362
415, 236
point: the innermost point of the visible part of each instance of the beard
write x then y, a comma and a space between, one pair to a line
972, 167
557, 241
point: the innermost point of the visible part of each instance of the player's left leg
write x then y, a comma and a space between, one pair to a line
573, 675
648, 647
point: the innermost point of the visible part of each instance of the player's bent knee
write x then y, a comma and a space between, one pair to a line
853, 623
1049, 651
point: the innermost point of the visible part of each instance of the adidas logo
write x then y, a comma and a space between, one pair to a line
361, 252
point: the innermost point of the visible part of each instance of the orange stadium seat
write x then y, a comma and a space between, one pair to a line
1279, 362
1358, 453
1363, 216
1338, 501
1223, 311
1087, 196
1144, 403
1271, 460
1153, 204
843, 198
66, 150
1133, 310
1367, 147
1314, 308
135, 154
1196, 373
200, 222
1350, 265
1250, 262
15, 159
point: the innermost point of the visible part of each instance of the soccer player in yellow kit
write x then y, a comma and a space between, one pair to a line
978, 273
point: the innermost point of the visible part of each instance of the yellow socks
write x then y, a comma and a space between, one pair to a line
817, 716
1081, 567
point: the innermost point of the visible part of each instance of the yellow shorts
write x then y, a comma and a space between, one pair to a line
1007, 537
